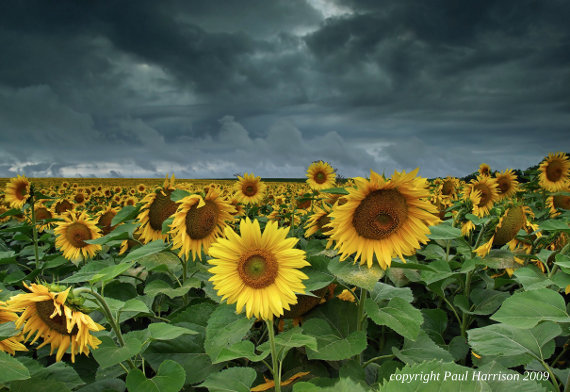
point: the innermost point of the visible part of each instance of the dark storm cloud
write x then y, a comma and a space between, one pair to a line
213, 88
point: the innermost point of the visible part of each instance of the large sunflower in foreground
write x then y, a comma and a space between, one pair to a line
382, 217
554, 172
260, 272
12, 344
320, 175
507, 184
198, 222
17, 191
250, 189
157, 207
46, 315
483, 193
71, 235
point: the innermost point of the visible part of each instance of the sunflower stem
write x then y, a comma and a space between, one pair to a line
360, 316
552, 376
34, 228
388, 356
275, 370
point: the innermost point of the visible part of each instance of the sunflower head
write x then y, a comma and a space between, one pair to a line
71, 235
62, 206
484, 170
321, 175
17, 191
483, 193
449, 187
258, 271
250, 189
319, 220
554, 172
157, 207
507, 184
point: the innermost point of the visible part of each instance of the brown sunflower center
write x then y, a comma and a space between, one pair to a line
43, 213
57, 323
561, 201
554, 171
380, 214
250, 190
504, 185
79, 198
76, 234
21, 191
63, 206
320, 178
258, 268
105, 221
200, 222
161, 209
485, 194
447, 188
322, 221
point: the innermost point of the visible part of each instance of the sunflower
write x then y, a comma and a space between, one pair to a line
42, 214
556, 202
71, 235
484, 170
383, 218
233, 200
130, 201
449, 187
104, 219
141, 188
62, 206
320, 175
317, 221
17, 191
198, 222
46, 314
157, 207
3, 210
80, 197
554, 172
258, 271
12, 344
250, 189
507, 184
483, 193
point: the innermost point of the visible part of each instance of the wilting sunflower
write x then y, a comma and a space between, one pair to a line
250, 189
383, 217
258, 271
157, 207
484, 170
554, 172
483, 193
11, 344
46, 315
71, 235
507, 184
557, 202
17, 191
198, 222
320, 175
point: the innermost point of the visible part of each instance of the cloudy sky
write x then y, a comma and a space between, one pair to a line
211, 88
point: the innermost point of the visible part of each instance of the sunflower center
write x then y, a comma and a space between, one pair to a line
63, 206
322, 221
554, 171
57, 323
250, 190
447, 188
77, 233
42, 213
200, 222
561, 201
257, 268
161, 209
504, 185
485, 194
79, 198
320, 178
21, 191
380, 214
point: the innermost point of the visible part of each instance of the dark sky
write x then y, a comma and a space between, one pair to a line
207, 89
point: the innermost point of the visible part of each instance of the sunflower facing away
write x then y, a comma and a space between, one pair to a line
157, 207
11, 344
250, 189
483, 193
320, 175
258, 271
17, 191
198, 222
71, 235
46, 315
384, 218
554, 172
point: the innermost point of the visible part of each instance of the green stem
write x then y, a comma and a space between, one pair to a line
564, 349
360, 316
453, 310
377, 359
35, 229
447, 246
552, 376
274, 359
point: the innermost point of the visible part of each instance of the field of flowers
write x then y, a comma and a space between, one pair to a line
386, 283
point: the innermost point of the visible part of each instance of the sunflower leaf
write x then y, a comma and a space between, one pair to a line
555, 225
444, 231
355, 274
148, 249
7, 330
169, 378
126, 213
164, 331
422, 349
109, 354
179, 194
335, 191
398, 315
12, 369
235, 379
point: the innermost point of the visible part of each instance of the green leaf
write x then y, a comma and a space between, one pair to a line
179, 194
318, 273
162, 261
527, 309
563, 261
59, 372
422, 349
135, 305
243, 349
532, 278
164, 331
354, 274
11, 369
487, 301
109, 354
7, 257
122, 232
290, 339
555, 225
161, 287
225, 328
398, 315
236, 379
169, 378
515, 380
148, 249
435, 324
335, 191
7, 330
126, 213
432, 252
384, 292
501, 339
105, 385
444, 231
88, 271
499, 259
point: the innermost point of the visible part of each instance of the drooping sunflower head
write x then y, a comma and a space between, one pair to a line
383, 218
321, 175
45, 314
157, 207
483, 193
507, 184
484, 170
198, 222
71, 235
250, 189
554, 172
258, 271
17, 191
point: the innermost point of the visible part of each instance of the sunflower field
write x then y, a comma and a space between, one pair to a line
385, 283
